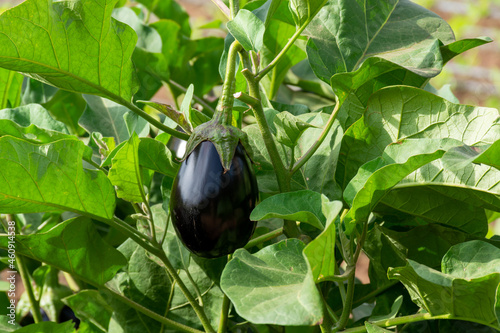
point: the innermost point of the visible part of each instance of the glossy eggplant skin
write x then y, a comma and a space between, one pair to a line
210, 209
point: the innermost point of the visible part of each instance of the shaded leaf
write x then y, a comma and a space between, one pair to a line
74, 45
68, 246
171, 113
289, 128
303, 11
50, 177
466, 289
90, 306
273, 286
10, 89
67, 107
171, 10
33, 114
303, 206
49, 327
247, 29
459, 157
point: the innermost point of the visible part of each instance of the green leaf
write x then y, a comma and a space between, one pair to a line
67, 107
142, 281
289, 128
171, 10
273, 286
50, 177
448, 293
400, 112
49, 327
355, 88
7, 326
275, 37
90, 306
125, 174
303, 206
247, 29
154, 155
106, 117
377, 177
345, 34
468, 260
75, 46
179, 117
68, 247
10, 89
33, 114
303, 11
36, 92
394, 310
320, 252
176, 252
460, 157
316, 174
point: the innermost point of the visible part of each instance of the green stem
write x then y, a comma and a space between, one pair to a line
226, 304
224, 112
195, 286
398, 321
319, 141
278, 57
223, 8
282, 175
132, 107
346, 311
167, 322
196, 307
264, 238
131, 233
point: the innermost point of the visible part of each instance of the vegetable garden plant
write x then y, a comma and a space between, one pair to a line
326, 103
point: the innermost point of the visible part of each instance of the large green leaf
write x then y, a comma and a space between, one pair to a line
144, 282
10, 88
49, 327
400, 112
377, 177
354, 88
465, 289
68, 247
346, 33
289, 128
303, 206
74, 45
273, 286
125, 174
50, 177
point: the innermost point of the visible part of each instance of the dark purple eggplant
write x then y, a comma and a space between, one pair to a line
210, 209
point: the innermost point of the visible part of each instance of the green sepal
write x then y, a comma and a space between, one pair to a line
224, 137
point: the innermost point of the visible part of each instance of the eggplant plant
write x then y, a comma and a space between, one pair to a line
313, 137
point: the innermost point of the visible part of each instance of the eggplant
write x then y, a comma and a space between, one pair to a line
210, 208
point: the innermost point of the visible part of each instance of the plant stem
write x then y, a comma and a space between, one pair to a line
131, 232
223, 8
278, 57
167, 322
346, 311
398, 321
196, 307
264, 238
132, 107
302, 160
226, 304
195, 286
224, 111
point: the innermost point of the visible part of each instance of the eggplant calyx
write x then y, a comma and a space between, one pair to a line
225, 138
